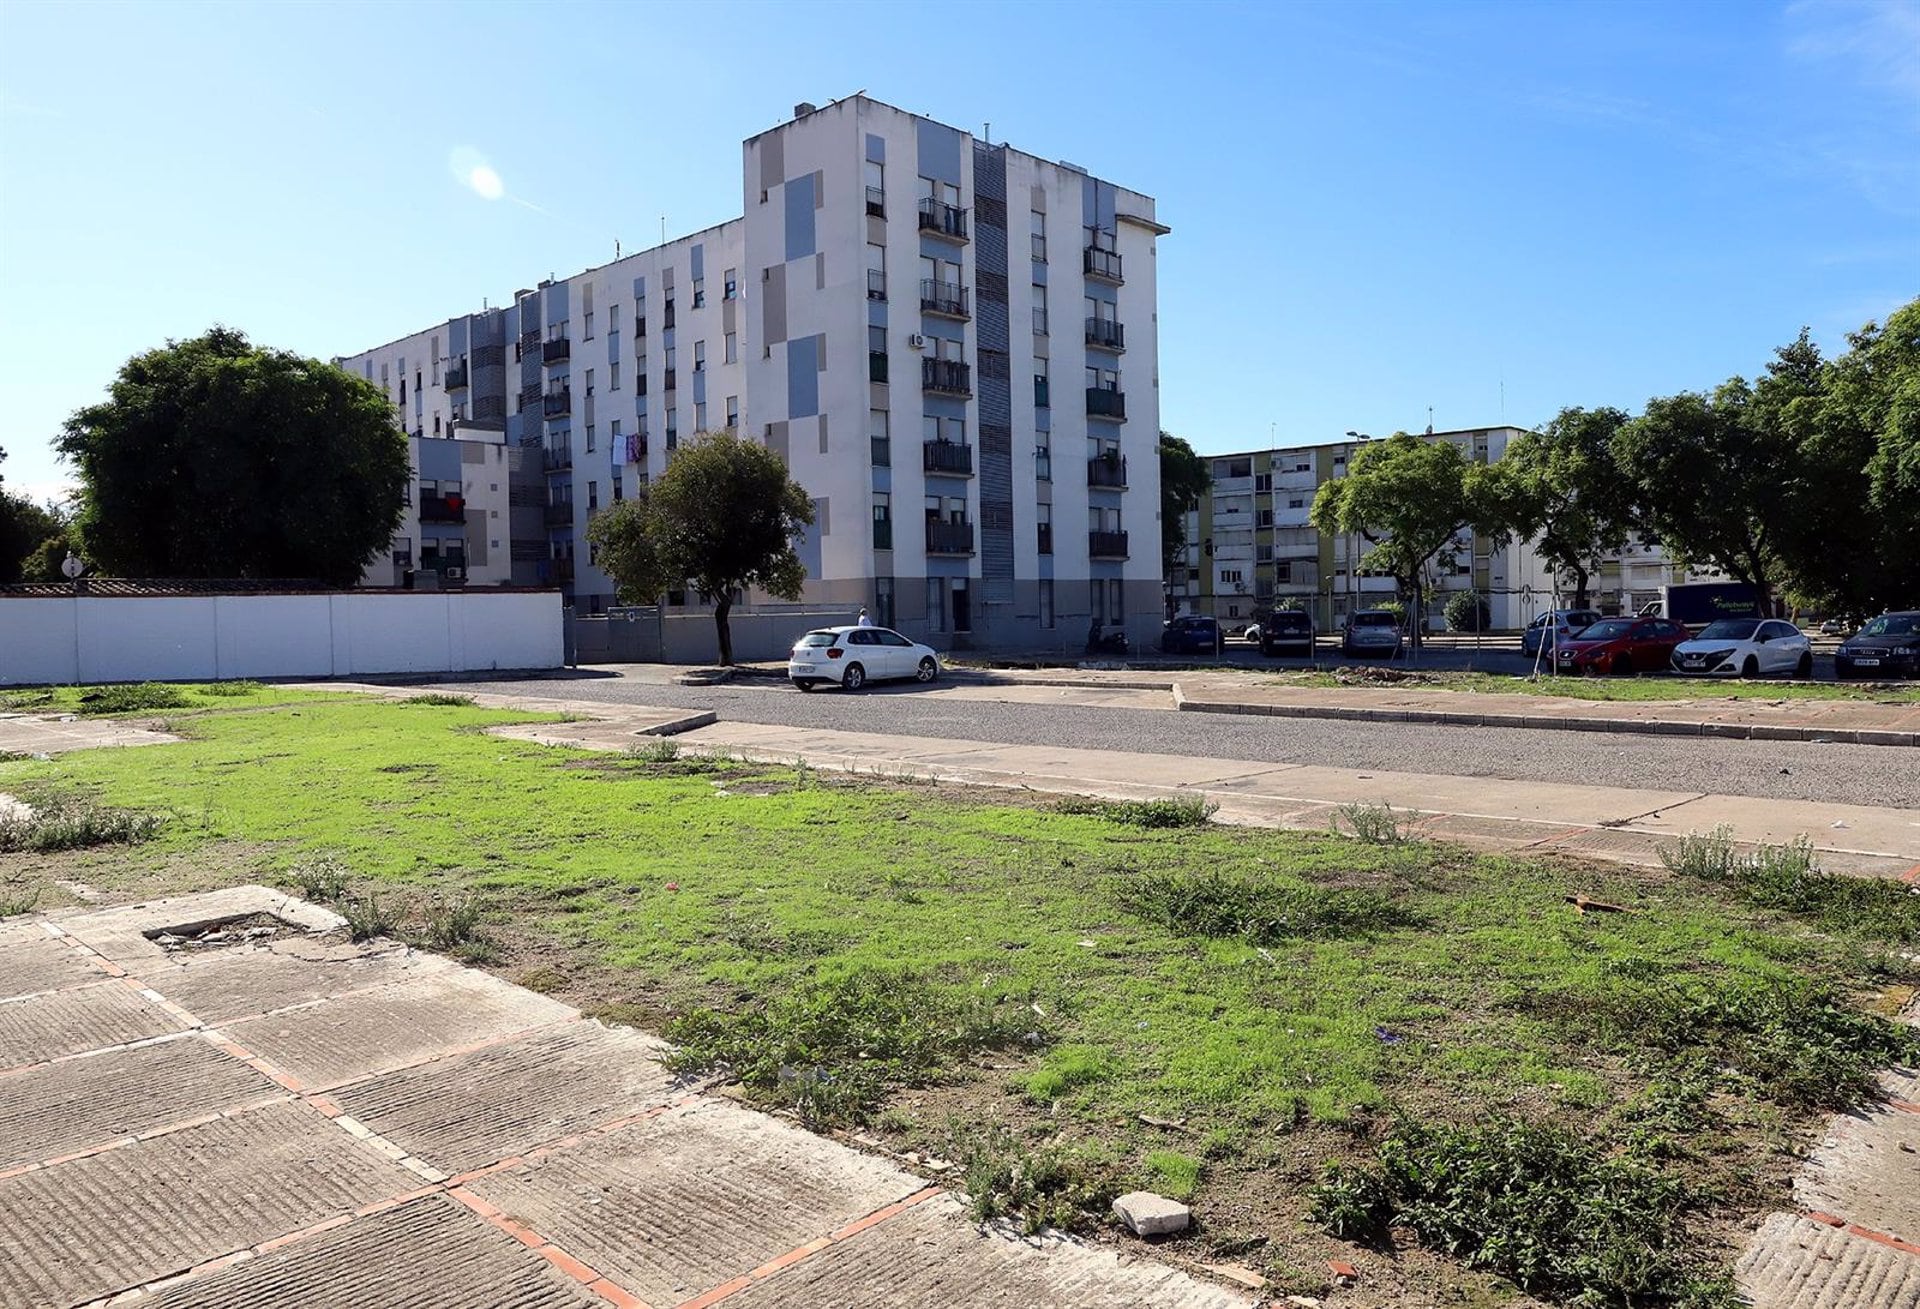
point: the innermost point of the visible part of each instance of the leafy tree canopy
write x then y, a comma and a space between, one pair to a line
725, 516
1184, 478
217, 458
1559, 485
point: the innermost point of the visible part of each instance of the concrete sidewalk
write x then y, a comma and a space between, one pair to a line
302, 1122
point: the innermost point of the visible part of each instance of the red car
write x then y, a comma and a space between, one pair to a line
1622, 646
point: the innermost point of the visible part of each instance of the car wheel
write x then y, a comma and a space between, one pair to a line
804, 683
927, 671
1750, 668
854, 678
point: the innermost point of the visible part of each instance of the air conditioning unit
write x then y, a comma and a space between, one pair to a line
916, 342
456, 574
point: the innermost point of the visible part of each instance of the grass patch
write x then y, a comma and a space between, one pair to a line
1043, 1184
56, 825
1153, 815
440, 699
828, 1049
1560, 1216
1173, 1174
234, 690
14, 903
1787, 877
1258, 910
132, 698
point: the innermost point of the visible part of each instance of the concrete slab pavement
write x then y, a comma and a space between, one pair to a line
412, 1133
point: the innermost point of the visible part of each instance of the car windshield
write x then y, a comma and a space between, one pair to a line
814, 641
1375, 619
1892, 625
1608, 630
1729, 629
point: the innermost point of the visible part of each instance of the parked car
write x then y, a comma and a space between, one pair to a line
1566, 622
1622, 646
1839, 626
1191, 634
1887, 646
1746, 647
854, 656
1371, 632
1287, 630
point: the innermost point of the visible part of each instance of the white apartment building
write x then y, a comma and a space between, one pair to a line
975, 416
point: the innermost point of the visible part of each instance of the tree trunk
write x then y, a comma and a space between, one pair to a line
721, 608
1579, 587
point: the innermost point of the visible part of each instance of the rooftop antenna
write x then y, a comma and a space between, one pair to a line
616, 247
986, 133
663, 229
1429, 420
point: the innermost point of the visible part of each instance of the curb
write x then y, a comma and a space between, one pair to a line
675, 726
1629, 726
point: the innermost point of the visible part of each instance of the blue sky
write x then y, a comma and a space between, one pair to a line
1491, 209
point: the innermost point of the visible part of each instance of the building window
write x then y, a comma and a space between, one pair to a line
699, 415
937, 604
731, 290
593, 493
1046, 602
1263, 482
1043, 514
1040, 247
1043, 459
1296, 504
883, 600
671, 351
699, 292
1039, 310
882, 521
590, 444
436, 424
613, 376
1116, 601
733, 412
878, 435
699, 356
732, 348
589, 381
587, 319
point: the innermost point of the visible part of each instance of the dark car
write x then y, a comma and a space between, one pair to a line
1887, 646
1623, 646
1191, 634
1287, 630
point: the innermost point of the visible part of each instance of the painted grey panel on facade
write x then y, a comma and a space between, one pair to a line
439, 459
992, 386
1097, 203
876, 313
939, 150
773, 160
803, 377
798, 199
457, 337
699, 260
773, 305
700, 388
554, 300
639, 289
883, 480
876, 148
777, 440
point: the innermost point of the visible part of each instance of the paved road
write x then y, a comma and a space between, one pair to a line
1847, 774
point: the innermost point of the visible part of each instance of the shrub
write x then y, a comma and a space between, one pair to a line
659, 750
234, 688
1046, 1185
1183, 811
440, 698
367, 917
71, 825
450, 924
829, 1048
1467, 611
323, 881
1376, 824
132, 698
1225, 905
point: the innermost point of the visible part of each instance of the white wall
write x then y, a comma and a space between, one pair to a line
340, 634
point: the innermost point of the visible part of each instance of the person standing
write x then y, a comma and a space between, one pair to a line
864, 621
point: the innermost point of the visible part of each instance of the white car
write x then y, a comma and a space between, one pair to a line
854, 656
1745, 647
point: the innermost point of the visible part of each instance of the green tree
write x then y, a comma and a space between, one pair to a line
217, 458
1409, 499
1468, 611
1184, 478
724, 517
1561, 486
24, 528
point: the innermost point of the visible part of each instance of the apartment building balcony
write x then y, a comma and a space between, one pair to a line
455, 378
560, 515
489, 356
944, 299
955, 457
876, 202
443, 509
946, 377
529, 340
938, 218
558, 404
883, 534
1105, 334
530, 396
1101, 265
949, 538
1107, 470
556, 351
1105, 403
1106, 545
876, 284
562, 570
559, 459
490, 411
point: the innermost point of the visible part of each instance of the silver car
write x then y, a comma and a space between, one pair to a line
1371, 632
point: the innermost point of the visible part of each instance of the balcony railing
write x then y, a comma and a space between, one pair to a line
947, 457
529, 396
671, 380
1105, 471
456, 377
876, 284
876, 366
556, 351
949, 538
938, 218
946, 377
489, 356
946, 299
443, 509
882, 451
559, 459
640, 325
1106, 545
490, 409
560, 515
559, 403
1105, 403
1106, 334
876, 202
1102, 264
883, 534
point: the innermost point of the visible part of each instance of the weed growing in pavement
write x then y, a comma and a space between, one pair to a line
132, 697
447, 924
1376, 824
659, 750
1259, 910
1787, 877
234, 688
829, 1048
1183, 811
367, 917
74, 825
1046, 1185
1561, 1216
443, 699
323, 881
13, 903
